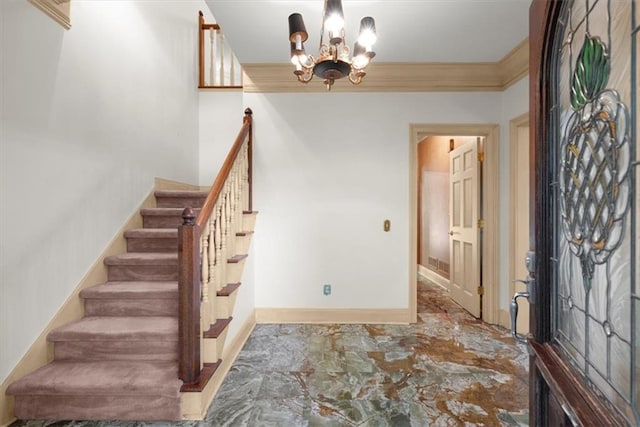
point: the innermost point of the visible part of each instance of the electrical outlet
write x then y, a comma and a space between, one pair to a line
327, 290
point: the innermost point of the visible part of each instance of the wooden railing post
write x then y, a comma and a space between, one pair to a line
248, 117
200, 49
189, 298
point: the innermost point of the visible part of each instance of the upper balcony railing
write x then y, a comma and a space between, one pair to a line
218, 66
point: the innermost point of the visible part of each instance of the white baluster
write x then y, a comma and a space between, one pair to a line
238, 217
228, 217
204, 277
223, 234
232, 70
212, 56
212, 267
245, 177
221, 46
218, 240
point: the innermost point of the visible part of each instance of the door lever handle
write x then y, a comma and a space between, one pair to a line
514, 315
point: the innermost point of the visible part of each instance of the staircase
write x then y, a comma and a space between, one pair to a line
126, 358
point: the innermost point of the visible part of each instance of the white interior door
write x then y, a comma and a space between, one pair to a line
464, 233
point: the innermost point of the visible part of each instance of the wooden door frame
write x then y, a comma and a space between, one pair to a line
548, 368
514, 146
490, 184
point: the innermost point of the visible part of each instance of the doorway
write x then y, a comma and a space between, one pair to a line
489, 207
449, 196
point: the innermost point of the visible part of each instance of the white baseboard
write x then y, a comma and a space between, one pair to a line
434, 277
332, 315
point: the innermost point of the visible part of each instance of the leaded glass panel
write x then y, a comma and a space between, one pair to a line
596, 261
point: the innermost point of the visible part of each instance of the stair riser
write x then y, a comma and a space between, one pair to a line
102, 407
212, 348
234, 273
131, 307
147, 350
141, 244
161, 221
242, 244
142, 272
224, 305
249, 222
179, 202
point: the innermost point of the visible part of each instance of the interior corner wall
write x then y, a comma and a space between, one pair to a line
515, 102
329, 168
89, 117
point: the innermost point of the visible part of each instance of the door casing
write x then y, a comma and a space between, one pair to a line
517, 270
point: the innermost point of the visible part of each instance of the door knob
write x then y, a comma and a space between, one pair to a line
450, 232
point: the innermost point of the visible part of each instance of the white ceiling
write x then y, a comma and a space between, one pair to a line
408, 30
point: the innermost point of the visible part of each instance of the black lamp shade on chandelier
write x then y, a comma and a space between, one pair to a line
334, 60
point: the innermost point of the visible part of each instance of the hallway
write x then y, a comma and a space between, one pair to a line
447, 370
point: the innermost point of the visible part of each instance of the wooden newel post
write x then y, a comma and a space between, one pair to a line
189, 298
248, 117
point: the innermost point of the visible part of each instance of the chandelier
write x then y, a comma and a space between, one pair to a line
334, 60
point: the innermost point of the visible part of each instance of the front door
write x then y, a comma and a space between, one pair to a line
585, 308
464, 248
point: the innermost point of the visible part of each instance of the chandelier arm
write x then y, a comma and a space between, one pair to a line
356, 77
312, 63
304, 76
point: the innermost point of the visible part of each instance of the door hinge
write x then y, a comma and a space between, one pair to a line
480, 290
481, 156
481, 223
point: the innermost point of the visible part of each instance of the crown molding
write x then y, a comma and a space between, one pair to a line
515, 64
402, 77
58, 10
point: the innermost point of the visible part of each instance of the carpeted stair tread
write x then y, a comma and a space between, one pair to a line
181, 193
163, 328
133, 378
132, 290
163, 233
143, 258
165, 211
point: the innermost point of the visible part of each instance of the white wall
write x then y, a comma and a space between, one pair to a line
89, 117
515, 102
329, 169
221, 115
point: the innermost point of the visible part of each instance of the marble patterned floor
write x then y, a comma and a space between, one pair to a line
449, 369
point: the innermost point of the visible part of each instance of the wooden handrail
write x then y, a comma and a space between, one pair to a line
190, 290
218, 183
